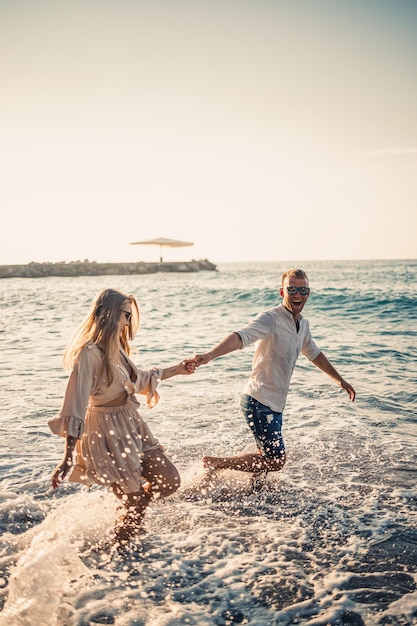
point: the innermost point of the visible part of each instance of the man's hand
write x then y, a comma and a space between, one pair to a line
349, 389
201, 359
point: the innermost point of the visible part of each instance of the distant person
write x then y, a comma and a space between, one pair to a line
113, 445
281, 334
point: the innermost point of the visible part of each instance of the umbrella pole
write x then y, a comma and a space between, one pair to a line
160, 254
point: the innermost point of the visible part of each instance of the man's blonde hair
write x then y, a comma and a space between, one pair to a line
294, 272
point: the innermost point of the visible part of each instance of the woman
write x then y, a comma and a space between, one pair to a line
113, 445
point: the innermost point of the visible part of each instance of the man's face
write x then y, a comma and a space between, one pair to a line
294, 302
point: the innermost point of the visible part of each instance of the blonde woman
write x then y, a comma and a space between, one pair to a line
107, 441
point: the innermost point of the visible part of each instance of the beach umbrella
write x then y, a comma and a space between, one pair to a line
161, 242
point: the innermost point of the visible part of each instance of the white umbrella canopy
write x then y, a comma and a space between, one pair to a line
162, 241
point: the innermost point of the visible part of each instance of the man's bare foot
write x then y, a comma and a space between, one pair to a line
209, 463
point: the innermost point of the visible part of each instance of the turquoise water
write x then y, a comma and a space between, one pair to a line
331, 539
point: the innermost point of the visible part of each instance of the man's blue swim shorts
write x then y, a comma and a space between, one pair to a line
265, 425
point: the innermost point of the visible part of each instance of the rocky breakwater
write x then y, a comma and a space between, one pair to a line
91, 268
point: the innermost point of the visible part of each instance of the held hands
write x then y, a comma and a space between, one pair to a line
187, 366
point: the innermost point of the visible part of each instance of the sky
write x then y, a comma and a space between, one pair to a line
262, 130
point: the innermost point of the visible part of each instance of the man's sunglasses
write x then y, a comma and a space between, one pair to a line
303, 291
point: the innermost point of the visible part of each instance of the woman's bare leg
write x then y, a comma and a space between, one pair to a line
162, 475
162, 479
130, 522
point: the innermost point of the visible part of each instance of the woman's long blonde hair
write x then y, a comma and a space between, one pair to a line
102, 328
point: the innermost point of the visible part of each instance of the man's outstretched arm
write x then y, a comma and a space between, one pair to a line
229, 344
323, 363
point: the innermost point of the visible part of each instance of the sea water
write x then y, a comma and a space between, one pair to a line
331, 539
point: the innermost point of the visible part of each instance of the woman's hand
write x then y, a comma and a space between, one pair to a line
60, 472
64, 467
187, 366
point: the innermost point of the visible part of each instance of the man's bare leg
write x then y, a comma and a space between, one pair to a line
254, 463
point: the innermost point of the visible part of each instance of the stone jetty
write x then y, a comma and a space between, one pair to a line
91, 268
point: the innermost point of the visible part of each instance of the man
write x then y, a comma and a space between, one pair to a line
281, 334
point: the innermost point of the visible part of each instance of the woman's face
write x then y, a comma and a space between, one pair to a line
125, 315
